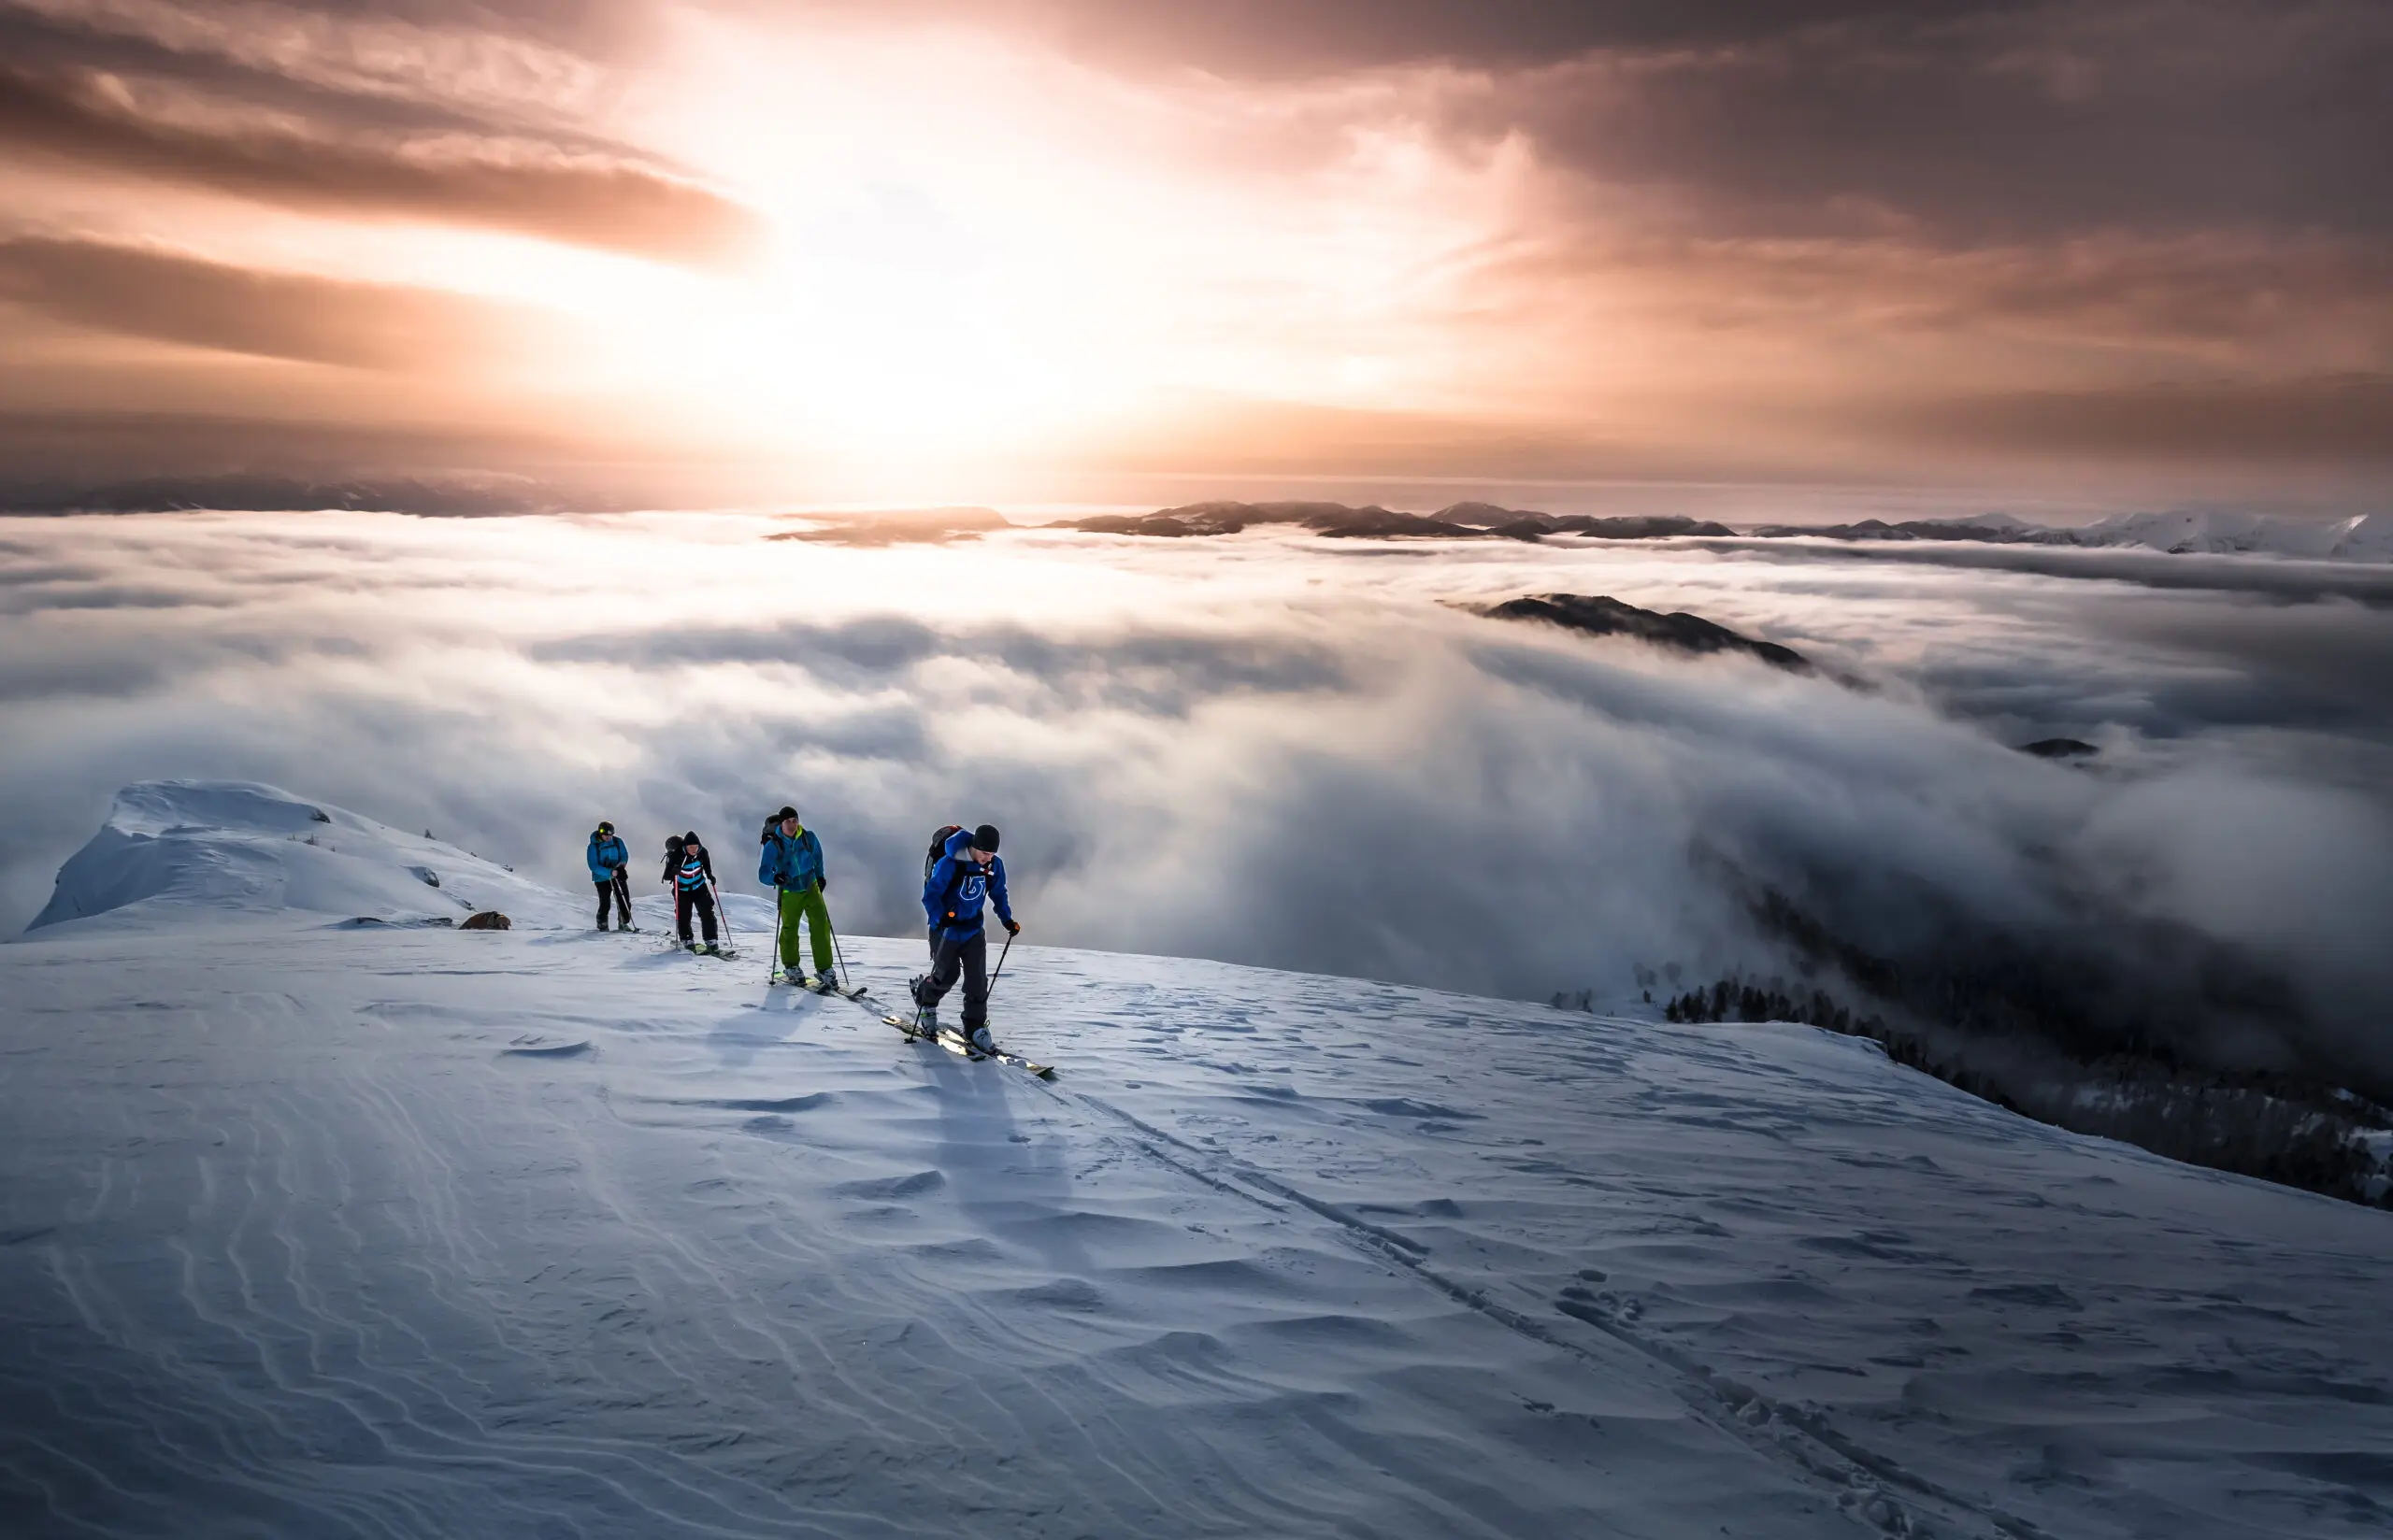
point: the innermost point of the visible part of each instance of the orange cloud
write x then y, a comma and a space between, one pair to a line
582, 198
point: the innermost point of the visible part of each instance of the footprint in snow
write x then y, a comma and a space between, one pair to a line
532, 1049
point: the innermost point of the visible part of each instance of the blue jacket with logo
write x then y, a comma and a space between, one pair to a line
606, 857
791, 861
953, 893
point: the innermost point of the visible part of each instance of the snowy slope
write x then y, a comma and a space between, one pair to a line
312, 1230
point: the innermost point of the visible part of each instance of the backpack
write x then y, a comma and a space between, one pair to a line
938, 846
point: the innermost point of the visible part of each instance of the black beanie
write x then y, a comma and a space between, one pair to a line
985, 838
785, 815
691, 838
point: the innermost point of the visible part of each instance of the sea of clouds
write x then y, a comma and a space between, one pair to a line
1289, 751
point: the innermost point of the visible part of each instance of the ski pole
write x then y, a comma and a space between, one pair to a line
918, 1007
1001, 968
722, 911
837, 955
774, 972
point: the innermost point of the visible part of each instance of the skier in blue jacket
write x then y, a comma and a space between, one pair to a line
610, 863
791, 864
953, 894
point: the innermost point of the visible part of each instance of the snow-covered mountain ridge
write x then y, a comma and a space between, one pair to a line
2361, 537
2365, 538
313, 1229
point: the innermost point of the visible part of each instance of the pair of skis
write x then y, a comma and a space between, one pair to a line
952, 1042
962, 1047
910, 1026
726, 948
822, 985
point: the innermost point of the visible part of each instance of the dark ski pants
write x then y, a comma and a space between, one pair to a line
618, 892
966, 955
687, 899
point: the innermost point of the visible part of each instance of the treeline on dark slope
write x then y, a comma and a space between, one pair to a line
2274, 1127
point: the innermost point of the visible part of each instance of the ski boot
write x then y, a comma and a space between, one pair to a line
983, 1041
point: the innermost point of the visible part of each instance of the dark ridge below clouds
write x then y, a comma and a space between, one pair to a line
1600, 615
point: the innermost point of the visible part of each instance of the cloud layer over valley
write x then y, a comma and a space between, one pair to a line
1290, 752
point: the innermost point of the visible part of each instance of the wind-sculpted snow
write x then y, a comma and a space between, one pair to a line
314, 1231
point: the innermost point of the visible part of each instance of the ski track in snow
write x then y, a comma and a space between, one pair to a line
317, 1231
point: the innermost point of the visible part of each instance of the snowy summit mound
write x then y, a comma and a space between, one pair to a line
172, 846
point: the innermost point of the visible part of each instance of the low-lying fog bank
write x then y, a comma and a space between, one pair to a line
1310, 754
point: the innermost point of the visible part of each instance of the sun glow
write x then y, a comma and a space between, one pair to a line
860, 353
974, 258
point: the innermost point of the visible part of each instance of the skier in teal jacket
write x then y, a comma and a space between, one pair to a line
609, 862
791, 864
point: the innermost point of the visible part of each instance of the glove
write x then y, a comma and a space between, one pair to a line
1013, 927
822, 884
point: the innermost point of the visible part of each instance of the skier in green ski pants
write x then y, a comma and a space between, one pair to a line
792, 864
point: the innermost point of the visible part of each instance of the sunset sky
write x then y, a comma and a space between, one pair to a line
1119, 250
